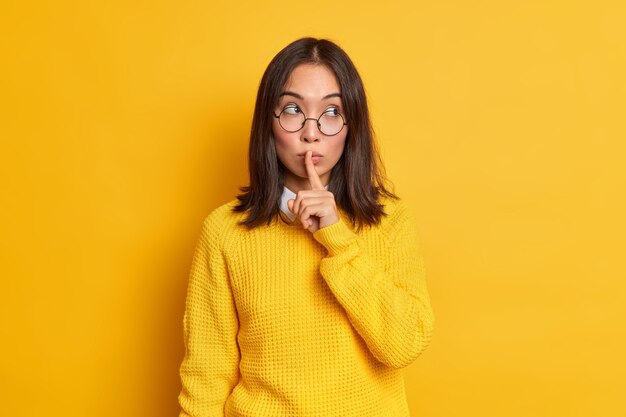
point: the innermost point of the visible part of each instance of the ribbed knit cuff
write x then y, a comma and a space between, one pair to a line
336, 238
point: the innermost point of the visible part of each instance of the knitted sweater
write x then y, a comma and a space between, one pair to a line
282, 322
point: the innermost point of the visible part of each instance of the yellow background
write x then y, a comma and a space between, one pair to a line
123, 123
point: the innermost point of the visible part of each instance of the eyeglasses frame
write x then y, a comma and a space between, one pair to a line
310, 118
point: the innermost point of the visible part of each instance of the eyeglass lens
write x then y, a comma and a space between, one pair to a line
329, 123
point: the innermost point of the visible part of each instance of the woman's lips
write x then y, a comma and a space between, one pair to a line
315, 158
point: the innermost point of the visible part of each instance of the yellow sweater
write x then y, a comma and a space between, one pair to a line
282, 322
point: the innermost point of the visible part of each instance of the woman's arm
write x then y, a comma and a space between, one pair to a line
209, 370
388, 304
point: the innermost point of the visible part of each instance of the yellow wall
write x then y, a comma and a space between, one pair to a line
124, 123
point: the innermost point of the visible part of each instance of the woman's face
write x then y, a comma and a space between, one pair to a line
312, 90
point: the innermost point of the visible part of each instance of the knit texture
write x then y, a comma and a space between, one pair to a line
282, 322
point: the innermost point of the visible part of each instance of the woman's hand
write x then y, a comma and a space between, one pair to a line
316, 207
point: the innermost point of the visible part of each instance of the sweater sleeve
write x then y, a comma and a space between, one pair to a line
210, 367
386, 302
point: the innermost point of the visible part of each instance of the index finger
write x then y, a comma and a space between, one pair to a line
314, 179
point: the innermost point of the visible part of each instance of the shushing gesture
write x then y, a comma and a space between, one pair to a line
316, 207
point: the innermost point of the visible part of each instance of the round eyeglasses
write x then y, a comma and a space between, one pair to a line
292, 119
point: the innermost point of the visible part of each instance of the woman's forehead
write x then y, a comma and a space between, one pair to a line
311, 81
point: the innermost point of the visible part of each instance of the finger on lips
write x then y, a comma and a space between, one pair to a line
309, 203
314, 179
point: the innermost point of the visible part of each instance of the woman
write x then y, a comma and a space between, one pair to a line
306, 295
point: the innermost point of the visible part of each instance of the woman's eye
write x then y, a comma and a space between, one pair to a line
292, 110
333, 111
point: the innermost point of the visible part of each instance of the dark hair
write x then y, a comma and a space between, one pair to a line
356, 181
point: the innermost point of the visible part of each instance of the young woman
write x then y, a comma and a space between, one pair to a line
306, 295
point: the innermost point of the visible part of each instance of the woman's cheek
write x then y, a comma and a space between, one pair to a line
338, 149
285, 151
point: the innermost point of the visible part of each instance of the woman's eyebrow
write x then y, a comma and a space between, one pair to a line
291, 93
332, 95
298, 96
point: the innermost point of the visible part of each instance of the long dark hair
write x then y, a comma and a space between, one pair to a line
357, 181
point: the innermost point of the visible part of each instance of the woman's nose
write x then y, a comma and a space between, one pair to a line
310, 131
